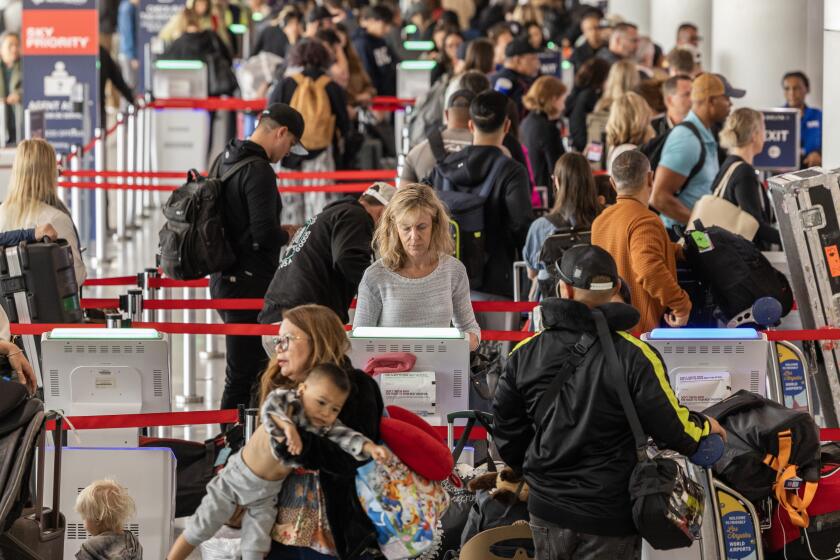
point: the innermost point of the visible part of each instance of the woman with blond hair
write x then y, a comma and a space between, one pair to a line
416, 282
628, 125
743, 136
33, 198
623, 77
540, 132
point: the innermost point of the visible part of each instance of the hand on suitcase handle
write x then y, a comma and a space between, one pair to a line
45, 233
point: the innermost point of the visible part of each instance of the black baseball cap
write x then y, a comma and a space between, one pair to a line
582, 263
286, 116
519, 47
460, 98
318, 13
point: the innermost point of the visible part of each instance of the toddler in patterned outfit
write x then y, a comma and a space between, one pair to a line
253, 477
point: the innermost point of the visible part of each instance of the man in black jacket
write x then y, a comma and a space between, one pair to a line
252, 225
379, 59
507, 212
579, 458
327, 257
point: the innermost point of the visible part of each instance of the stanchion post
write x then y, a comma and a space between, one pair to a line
211, 349
147, 158
100, 202
113, 320
189, 394
130, 163
148, 291
139, 163
134, 305
76, 193
122, 210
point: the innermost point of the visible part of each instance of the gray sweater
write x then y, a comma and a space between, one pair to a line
439, 299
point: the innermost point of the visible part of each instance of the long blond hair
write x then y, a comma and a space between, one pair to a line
411, 198
327, 340
623, 77
629, 121
33, 183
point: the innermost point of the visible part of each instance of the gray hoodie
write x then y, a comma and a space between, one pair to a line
111, 546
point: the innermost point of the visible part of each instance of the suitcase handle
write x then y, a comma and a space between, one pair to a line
55, 514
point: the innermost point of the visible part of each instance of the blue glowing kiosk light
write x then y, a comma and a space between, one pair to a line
704, 334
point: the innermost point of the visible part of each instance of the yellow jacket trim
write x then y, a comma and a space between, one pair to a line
524, 342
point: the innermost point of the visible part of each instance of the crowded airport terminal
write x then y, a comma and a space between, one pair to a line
419, 279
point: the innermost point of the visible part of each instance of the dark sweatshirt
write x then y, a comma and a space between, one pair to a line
379, 60
111, 546
324, 263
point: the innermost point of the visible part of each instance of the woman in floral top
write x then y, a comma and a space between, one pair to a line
319, 515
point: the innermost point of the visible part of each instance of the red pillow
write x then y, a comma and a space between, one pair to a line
425, 455
405, 415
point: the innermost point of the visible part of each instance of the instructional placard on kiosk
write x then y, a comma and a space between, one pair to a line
413, 390
698, 390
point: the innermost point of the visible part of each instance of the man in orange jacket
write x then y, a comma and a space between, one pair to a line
637, 240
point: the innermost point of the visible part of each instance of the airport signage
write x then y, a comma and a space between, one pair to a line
781, 141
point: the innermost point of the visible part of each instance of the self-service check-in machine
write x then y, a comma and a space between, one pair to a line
91, 372
438, 384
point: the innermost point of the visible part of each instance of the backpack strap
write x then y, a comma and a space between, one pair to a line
724, 181
437, 145
560, 224
235, 167
702, 161
576, 358
795, 506
490, 180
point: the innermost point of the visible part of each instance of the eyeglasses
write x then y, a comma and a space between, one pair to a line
283, 341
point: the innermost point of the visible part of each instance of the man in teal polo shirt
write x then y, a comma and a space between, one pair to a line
681, 179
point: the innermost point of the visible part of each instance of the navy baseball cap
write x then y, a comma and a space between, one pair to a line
583, 263
520, 46
289, 117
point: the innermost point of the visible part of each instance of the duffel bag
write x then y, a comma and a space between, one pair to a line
768, 446
822, 537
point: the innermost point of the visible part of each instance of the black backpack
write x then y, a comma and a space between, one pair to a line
734, 270
653, 149
192, 241
466, 216
553, 248
437, 145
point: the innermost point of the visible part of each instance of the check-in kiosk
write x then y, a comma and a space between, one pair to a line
181, 135
438, 384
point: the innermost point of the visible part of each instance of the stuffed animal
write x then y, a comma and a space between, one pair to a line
500, 499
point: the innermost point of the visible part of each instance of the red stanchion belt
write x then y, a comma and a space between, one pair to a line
332, 188
254, 105
93, 303
156, 283
349, 175
114, 281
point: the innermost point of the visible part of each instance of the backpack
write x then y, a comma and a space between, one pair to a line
312, 102
466, 217
563, 238
653, 149
734, 270
192, 242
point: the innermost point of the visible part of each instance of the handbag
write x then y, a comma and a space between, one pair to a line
714, 210
667, 505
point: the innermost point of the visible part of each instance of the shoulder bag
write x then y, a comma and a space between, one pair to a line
714, 210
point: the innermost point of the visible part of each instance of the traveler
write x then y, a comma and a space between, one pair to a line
447, 58
318, 19
628, 126
416, 282
252, 225
196, 40
109, 71
501, 36
647, 57
623, 77
681, 179
683, 61
479, 57
327, 257
423, 157
11, 85
323, 106
206, 17
743, 135
540, 130
590, 27
359, 88
637, 240
279, 37
319, 514
576, 204
578, 466
624, 40
507, 211
797, 86
33, 199
520, 68
534, 33
129, 55
676, 92
339, 71
588, 88
688, 36
105, 508
378, 58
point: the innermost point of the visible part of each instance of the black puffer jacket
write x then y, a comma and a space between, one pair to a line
325, 262
351, 528
507, 213
252, 222
578, 460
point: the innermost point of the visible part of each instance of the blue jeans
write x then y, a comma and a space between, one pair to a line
556, 543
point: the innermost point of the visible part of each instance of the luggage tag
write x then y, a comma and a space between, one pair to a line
703, 241
793, 483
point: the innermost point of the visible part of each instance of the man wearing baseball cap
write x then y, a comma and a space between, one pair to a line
252, 226
578, 469
327, 257
422, 158
689, 160
520, 68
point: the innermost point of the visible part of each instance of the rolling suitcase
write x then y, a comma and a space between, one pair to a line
806, 204
38, 534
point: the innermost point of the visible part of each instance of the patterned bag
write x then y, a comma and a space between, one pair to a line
404, 507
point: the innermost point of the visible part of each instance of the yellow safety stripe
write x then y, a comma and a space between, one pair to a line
689, 427
524, 342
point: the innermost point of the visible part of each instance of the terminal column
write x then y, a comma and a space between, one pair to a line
667, 15
634, 11
831, 85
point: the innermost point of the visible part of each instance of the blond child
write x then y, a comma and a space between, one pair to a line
105, 507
